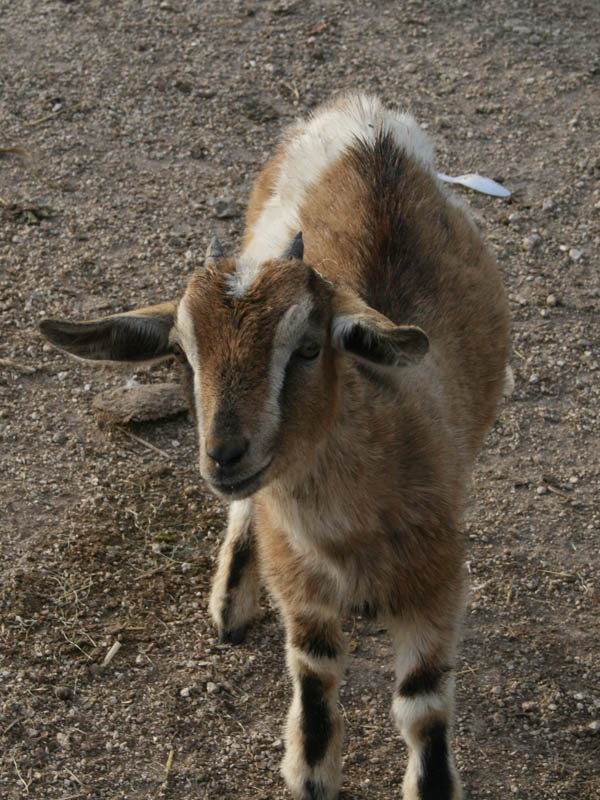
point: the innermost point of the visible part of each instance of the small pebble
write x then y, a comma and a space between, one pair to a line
542, 490
532, 242
63, 739
548, 204
63, 692
574, 254
211, 687
534, 378
594, 726
225, 209
185, 692
551, 300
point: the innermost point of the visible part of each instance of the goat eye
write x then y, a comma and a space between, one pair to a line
177, 351
308, 351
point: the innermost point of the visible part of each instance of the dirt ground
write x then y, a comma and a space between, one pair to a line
130, 133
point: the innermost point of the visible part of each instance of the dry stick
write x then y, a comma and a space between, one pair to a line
72, 774
21, 778
143, 441
12, 725
8, 362
467, 670
39, 121
111, 653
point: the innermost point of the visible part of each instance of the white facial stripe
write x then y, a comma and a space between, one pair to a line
287, 335
185, 333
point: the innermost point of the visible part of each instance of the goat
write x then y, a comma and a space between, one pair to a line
341, 381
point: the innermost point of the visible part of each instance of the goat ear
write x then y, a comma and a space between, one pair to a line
370, 336
136, 336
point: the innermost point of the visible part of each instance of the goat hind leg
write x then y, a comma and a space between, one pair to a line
236, 583
423, 708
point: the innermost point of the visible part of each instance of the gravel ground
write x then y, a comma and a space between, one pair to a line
130, 133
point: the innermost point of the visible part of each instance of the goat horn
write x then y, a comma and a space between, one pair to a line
214, 252
295, 248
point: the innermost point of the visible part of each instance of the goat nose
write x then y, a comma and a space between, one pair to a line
229, 452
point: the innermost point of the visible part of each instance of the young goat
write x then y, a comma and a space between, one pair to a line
341, 387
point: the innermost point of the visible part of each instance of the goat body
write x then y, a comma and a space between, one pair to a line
341, 389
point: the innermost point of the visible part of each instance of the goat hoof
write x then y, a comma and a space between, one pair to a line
234, 635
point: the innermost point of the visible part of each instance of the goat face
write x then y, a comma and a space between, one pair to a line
261, 366
263, 369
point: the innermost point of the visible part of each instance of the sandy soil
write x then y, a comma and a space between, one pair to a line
130, 133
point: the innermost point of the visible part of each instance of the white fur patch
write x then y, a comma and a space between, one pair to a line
312, 146
184, 332
287, 335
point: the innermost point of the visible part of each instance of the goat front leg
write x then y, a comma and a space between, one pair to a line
423, 708
316, 654
236, 584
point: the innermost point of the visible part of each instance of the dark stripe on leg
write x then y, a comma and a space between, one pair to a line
316, 722
314, 790
436, 781
241, 556
317, 639
422, 681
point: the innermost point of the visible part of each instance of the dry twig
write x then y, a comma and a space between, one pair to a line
48, 117
143, 441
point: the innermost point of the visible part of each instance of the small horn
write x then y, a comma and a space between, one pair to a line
295, 248
214, 252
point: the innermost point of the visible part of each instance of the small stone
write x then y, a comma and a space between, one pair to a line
515, 218
140, 403
594, 726
199, 152
63, 739
535, 378
226, 209
575, 255
211, 687
186, 691
60, 437
548, 204
63, 692
529, 705
551, 300
532, 242
541, 490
